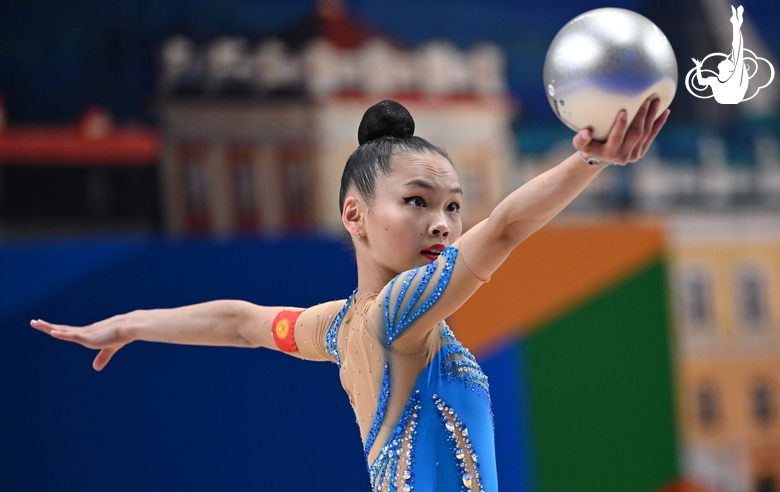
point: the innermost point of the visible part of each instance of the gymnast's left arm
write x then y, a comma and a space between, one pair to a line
486, 245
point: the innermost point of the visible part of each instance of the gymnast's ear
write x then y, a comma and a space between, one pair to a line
352, 216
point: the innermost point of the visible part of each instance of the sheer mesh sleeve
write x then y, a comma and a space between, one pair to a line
311, 331
416, 300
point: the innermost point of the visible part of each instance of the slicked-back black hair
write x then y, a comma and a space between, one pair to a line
386, 129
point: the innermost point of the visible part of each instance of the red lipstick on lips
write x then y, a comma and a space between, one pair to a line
432, 252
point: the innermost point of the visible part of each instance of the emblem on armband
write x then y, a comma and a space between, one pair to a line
284, 330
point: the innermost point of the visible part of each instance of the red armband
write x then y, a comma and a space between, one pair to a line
284, 329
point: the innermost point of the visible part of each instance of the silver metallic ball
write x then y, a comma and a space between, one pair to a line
606, 60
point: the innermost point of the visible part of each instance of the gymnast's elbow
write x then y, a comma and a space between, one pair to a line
512, 232
249, 326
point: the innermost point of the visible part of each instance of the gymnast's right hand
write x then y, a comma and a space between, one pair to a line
105, 335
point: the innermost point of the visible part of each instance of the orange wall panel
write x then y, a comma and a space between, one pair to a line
552, 271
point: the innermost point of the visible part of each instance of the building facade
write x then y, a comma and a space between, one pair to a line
726, 297
255, 137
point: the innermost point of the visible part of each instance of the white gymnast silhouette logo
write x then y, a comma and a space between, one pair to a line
730, 84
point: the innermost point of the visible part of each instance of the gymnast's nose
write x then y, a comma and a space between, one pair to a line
439, 227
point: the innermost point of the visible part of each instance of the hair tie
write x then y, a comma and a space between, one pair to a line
593, 161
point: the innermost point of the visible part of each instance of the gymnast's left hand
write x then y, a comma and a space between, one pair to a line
624, 144
106, 335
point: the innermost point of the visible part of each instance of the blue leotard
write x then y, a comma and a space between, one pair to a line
426, 418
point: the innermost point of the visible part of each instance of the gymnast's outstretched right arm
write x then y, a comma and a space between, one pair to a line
218, 323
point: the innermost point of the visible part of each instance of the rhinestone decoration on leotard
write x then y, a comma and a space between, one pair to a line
459, 450
446, 332
384, 470
430, 269
380, 411
464, 369
395, 324
331, 337
402, 292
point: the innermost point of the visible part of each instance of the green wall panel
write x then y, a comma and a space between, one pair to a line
601, 391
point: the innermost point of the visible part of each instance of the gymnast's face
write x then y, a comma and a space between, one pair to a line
415, 208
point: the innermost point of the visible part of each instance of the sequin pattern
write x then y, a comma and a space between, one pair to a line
464, 369
384, 470
402, 293
331, 337
384, 393
447, 333
459, 448
395, 324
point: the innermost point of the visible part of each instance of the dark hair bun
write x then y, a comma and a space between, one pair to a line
385, 119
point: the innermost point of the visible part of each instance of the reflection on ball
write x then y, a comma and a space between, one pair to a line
606, 60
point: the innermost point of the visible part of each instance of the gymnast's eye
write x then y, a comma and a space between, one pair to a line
454, 207
415, 200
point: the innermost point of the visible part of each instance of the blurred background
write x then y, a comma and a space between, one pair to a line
161, 153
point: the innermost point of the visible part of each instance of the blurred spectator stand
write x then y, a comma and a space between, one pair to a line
84, 177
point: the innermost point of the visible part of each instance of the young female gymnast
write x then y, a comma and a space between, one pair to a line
420, 398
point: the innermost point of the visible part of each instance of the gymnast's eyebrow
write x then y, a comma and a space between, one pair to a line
421, 183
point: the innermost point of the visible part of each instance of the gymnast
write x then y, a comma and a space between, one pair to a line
420, 398
731, 84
